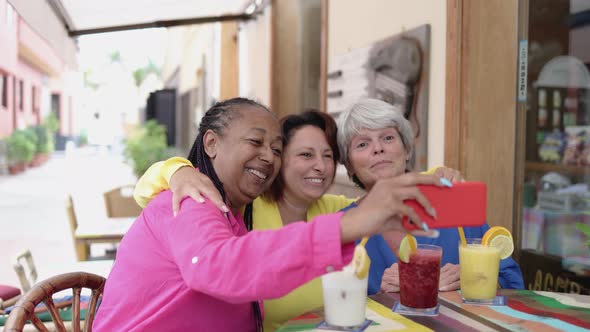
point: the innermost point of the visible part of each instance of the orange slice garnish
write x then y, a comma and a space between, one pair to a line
501, 238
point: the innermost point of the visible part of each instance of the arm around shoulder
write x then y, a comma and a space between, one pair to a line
156, 179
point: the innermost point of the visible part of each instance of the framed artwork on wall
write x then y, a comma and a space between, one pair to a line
395, 70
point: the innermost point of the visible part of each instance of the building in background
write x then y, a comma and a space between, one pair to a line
212, 62
37, 68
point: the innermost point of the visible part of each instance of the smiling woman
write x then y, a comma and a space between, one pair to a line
309, 159
375, 141
201, 270
256, 149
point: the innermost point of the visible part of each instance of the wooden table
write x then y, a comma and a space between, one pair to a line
525, 311
110, 230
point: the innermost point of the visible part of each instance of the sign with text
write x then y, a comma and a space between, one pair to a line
543, 272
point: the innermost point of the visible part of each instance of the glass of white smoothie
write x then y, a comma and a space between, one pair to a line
345, 298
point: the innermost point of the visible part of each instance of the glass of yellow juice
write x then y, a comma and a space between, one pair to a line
479, 267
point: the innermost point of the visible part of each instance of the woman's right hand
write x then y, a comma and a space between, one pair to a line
383, 208
390, 281
187, 181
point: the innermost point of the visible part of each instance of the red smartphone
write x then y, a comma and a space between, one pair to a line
464, 205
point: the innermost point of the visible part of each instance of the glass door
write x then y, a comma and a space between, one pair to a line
555, 200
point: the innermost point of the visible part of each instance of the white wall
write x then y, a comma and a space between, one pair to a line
354, 24
187, 45
254, 57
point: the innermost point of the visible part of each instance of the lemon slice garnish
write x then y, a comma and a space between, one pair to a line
501, 238
361, 262
407, 247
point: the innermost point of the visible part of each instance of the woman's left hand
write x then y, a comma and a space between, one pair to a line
450, 174
390, 280
449, 278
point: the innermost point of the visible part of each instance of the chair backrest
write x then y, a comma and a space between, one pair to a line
43, 291
119, 202
25, 269
71, 215
82, 249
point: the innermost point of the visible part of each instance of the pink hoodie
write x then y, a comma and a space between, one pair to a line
200, 271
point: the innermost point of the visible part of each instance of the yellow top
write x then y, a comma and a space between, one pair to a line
156, 179
309, 296
265, 216
429, 171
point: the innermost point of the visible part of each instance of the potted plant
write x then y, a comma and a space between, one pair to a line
31, 136
145, 146
20, 151
51, 123
44, 144
83, 138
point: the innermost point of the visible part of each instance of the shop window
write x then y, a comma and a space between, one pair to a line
21, 95
34, 105
556, 190
4, 91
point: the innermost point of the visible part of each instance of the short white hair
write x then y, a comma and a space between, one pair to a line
372, 114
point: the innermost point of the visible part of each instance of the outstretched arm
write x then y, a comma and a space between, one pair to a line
267, 264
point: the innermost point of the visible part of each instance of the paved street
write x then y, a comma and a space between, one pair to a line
32, 206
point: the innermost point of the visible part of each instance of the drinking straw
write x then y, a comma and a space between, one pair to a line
364, 241
462, 236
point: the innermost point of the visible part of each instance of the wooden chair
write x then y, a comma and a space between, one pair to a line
83, 238
27, 272
80, 246
119, 202
43, 291
25, 269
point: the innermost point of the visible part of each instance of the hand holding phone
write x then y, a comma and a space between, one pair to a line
463, 205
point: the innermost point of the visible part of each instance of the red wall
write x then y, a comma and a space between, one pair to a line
12, 117
6, 118
8, 40
8, 61
30, 77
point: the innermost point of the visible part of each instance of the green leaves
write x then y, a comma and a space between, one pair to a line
20, 147
45, 140
586, 230
145, 146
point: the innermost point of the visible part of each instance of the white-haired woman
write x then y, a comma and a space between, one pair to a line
376, 142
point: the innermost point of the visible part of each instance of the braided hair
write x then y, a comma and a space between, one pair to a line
217, 118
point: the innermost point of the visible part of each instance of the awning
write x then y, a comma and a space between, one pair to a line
89, 16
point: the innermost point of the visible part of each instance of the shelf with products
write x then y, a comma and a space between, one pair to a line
573, 170
558, 128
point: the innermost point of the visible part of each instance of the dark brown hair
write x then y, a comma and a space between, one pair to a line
289, 125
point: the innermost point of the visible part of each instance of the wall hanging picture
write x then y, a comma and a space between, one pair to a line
395, 70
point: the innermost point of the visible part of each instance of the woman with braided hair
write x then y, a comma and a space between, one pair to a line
201, 270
